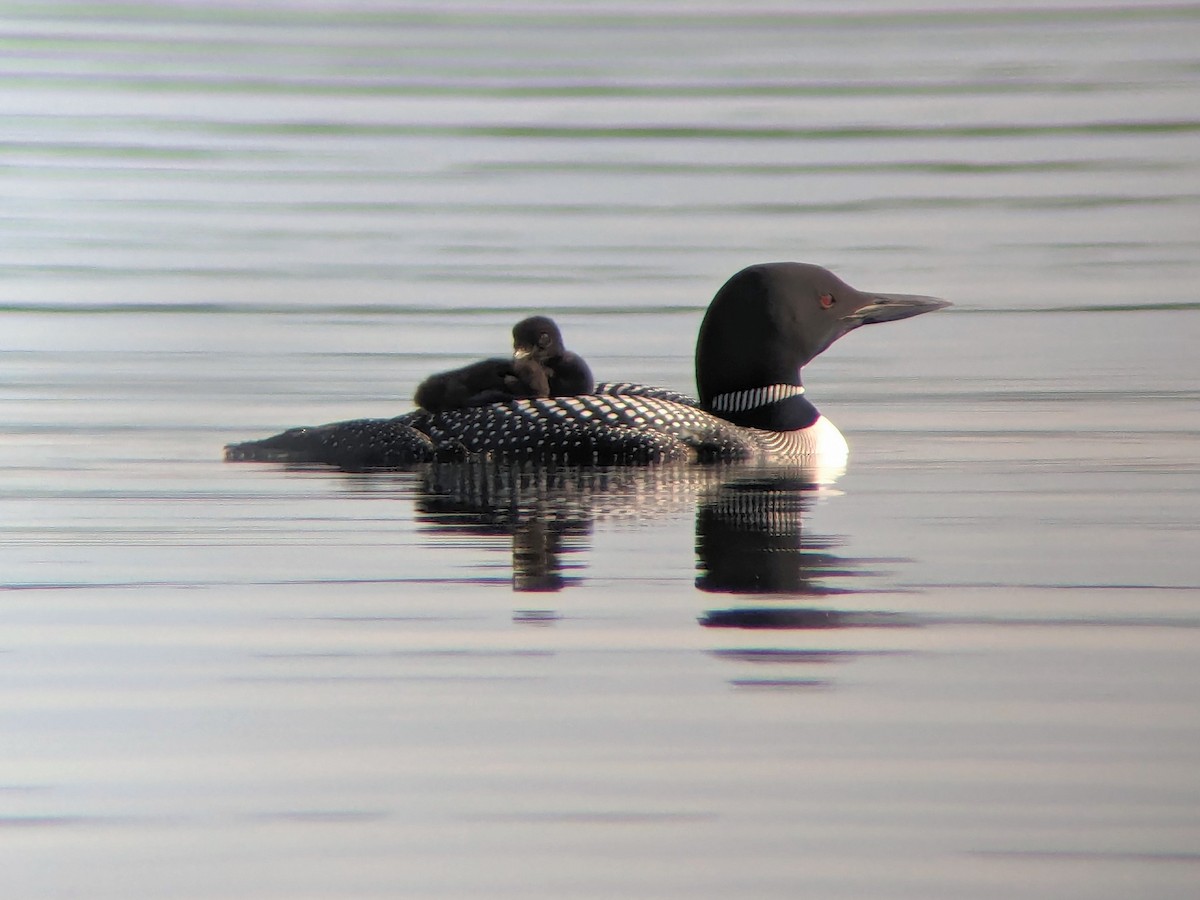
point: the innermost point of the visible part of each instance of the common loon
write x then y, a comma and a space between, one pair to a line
539, 367
762, 327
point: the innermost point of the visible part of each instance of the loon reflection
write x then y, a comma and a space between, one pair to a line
749, 539
749, 536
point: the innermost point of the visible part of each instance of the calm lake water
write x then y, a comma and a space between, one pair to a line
970, 668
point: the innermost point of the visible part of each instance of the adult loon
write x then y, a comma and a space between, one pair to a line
764, 325
539, 367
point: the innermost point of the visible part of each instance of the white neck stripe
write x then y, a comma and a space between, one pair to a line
740, 401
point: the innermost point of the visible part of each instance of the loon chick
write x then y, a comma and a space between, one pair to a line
480, 383
762, 327
538, 338
540, 367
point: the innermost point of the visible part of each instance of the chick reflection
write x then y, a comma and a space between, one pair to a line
543, 509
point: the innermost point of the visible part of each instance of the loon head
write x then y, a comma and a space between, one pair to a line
769, 320
537, 337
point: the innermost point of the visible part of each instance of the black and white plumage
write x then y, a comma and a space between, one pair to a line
761, 328
354, 446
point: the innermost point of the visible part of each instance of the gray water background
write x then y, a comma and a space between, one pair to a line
221, 220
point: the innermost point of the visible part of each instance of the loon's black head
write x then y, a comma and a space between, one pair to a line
769, 320
537, 337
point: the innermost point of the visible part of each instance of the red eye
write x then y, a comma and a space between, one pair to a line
827, 301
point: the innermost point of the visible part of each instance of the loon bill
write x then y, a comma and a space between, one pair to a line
763, 326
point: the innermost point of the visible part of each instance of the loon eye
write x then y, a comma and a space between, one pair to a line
827, 301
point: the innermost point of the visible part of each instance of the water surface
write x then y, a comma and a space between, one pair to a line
970, 664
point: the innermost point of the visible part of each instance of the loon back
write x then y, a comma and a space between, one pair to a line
761, 328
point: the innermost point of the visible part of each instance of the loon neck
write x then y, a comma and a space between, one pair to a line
773, 407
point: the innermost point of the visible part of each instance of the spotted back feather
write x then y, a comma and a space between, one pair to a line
631, 425
634, 389
353, 445
604, 428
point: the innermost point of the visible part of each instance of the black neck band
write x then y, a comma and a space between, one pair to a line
789, 414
